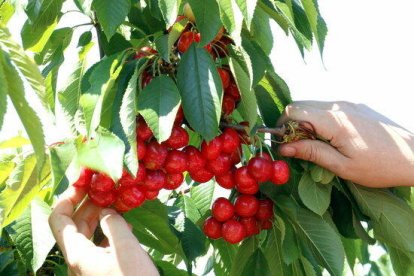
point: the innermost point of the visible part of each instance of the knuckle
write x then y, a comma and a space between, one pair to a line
311, 154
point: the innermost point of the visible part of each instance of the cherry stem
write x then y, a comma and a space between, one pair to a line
278, 131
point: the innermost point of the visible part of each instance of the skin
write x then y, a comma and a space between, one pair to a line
363, 145
119, 254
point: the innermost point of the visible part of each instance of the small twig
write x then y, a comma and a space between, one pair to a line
279, 131
82, 25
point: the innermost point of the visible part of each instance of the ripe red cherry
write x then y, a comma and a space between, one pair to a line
141, 174
228, 105
185, 41
231, 140
102, 199
212, 228
202, 175
212, 149
144, 51
225, 77
266, 156
251, 225
222, 209
179, 118
196, 160
266, 225
155, 156
246, 205
220, 165
226, 180
126, 180
281, 172
208, 47
144, 133
233, 91
151, 195
174, 181
233, 231
155, 180
132, 196
176, 162
265, 211
84, 179
235, 156
102, 183
120, 206
245, 183
141, 149
179, 138
260, 168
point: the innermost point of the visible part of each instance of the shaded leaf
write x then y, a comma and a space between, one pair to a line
315, 196
111, 18
243, 255
247, 8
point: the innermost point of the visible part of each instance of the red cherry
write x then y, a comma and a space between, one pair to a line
246, 205
233, 231
251, 225
265, 211
176, 162
151, 195
102, 199
226, 180
222, 209
146, 79
85, 178
196, 160
220, 165
155, 180
102, 183
179, 118
212, 149
120, 206
144, 51
141, 149
155, 156
266, 225
179, 138
202, 175
126, 180
266, 156
225, 77
141, 174
228, 105
260, 169
245, 183
185, 41
235, 156
174, 181
231, 140
132, 196
212, 228
281, 172
208, 47
233, 91
144, 133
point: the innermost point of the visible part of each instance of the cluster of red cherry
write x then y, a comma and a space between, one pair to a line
235, 222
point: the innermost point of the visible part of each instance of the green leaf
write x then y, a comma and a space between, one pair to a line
241, 69
169, 269
163, 46
43, 12
261, 31
202, 196
58, 42
25, 65
260, 60
243, 255
401, 263
96, 84
6, 12
290, 247
104, 153
390, 215
111, 14
316, 22
208, 22
257, 265
6, 168
224, 255
85, 39
169, 10
323, 240
189, 208
150, 224
315, 196
272, 95
201, 91
231, 16
84, 6
61, 157
247, 8
273, 252
22, 186
32, 235
158, 103
34, 38
3, 98
28, 117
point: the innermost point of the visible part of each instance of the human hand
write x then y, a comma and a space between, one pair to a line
364, 146
119, 254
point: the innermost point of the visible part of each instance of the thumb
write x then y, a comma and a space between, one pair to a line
117, 230
317, 152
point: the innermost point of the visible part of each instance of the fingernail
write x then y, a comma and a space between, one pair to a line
287, 151
106, 212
